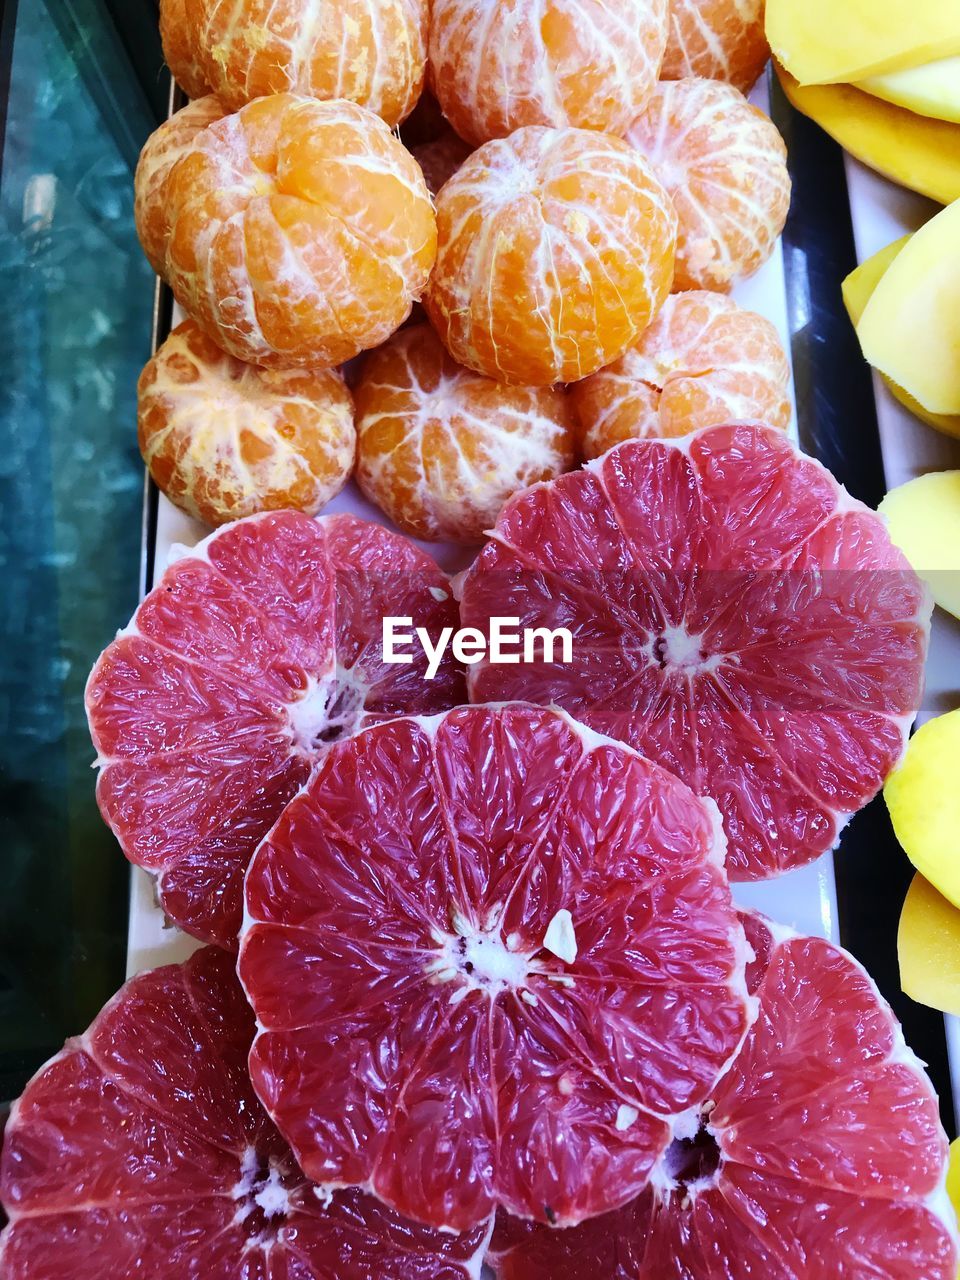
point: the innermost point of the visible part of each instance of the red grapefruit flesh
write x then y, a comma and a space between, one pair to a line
141, 1153
820, 1155
491, 954
256, 650
735, 615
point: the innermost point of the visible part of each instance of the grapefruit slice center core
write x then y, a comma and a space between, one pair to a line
330, 709
480, 960
693, 1164
677, 650
262, 1200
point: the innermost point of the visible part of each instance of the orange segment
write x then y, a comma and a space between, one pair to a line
508, 63
441, 449
369, 51
300, 232
225, 440
555, 251
702, 362
716, 39
164, 147
724, 164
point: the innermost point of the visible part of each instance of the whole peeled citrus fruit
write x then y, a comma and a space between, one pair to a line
372, 52
441, 449
724, 164
507, 63
717, 40
163, 149
298, 232
223, 439
702, 361
555, 252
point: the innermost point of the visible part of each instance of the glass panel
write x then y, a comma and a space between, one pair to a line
75, 316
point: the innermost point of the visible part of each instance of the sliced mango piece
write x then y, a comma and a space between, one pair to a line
930, 90
859, 285
923, 517
917, 152
953, 1176
825, 41
857, 291
910, 328
928, 944
924, 802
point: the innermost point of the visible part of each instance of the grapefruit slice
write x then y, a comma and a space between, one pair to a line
491, 954
256, 650
735, 616
819, 1154
140, 1151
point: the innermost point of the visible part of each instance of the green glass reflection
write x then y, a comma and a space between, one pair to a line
75, 318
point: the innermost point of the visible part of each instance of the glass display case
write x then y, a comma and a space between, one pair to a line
81, 86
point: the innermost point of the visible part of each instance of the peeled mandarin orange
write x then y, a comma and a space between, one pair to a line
702, 362
163, 148
300, 231
555, 251
724, 164
502, 64
441, 449
441, 158
507, 63
369, 51
225, 440
716, 39
180, 49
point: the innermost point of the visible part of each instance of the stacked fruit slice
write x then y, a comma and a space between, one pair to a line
255, 651
881, 78
819, 1154
141, 1150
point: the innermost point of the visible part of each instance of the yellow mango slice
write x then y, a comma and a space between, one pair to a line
928, 944
917, 152
857, 291
923, 517
825, 41
923, 797
910, 328
859, 285
930, 90
953, 1176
